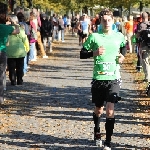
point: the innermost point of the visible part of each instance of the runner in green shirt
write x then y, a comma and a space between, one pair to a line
104, 48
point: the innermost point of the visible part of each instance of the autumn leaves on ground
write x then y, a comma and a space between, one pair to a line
143, 101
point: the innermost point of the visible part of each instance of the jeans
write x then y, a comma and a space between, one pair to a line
61, 35
25, 69
2, 74
32, 51
55, 31
146, 62
47, 40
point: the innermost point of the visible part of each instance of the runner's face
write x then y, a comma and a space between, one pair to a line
107, 22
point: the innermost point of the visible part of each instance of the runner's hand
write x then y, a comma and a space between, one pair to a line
99, 51
121, 58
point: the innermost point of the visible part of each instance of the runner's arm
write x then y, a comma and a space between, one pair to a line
84, 54
79, 26
87, 50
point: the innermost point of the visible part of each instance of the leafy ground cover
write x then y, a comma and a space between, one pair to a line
142, 100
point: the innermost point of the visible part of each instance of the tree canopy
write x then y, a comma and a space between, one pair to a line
65, 5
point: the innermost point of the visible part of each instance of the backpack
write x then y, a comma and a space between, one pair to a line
145, 34
26, 26
33, 34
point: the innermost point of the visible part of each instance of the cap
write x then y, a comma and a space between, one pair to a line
144, 15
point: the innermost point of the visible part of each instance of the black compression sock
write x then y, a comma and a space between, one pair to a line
96, 122
109, 126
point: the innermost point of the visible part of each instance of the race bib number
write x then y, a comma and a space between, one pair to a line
106, 67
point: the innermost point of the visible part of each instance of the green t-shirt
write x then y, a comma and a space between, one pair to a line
5, 30
105, 65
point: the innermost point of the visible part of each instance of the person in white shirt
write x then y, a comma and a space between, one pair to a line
61, 28
68, 24
55, 24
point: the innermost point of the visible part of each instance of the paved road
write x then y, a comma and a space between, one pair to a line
53, 109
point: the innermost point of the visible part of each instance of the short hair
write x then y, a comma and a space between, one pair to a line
17, 10
21, 17
14, 18
106, 12
144, 15
27, 15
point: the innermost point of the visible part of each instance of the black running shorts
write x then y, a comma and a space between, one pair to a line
82, 35
103, 90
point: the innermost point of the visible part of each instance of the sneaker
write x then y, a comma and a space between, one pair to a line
45, 56
97, 139
107, 146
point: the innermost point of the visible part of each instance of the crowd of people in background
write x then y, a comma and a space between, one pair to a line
38, 30
132, 27
24, 32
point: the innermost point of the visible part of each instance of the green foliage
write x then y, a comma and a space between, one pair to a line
65, 5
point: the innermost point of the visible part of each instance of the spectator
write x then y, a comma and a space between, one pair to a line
55, 31
68, 24
61, 29
145, 46
46, 32
5, 30
139, 61
83, 28
65, 22
16, 51
74, 22
33, 39
129, 32
22, 21
97, 20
